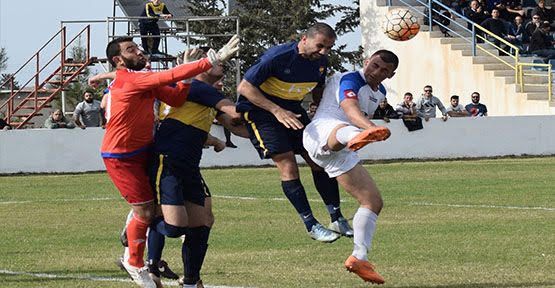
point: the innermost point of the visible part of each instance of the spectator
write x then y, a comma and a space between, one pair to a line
311, 110
540, 43
517, 32
58, 120
439, 16
546, 14
531, 26
456, 109
496, 26
508, 9
3, 124
426, 106
385, 111
88, 113
407, 108
154, 9
475, 13
476, 109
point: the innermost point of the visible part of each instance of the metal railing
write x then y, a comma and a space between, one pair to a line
476, 34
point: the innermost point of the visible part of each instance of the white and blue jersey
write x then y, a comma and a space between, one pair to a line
349, 85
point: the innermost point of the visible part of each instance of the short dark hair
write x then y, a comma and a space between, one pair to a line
113, 49
408, 93
478, 94
428, 86
454, 97
545, 24
321, 28
388, 57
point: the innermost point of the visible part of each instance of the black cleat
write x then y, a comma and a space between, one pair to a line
165, 271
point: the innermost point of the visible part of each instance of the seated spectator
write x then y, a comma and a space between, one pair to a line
58, 120
455, 109
3, 124
88, 113
517, 32
407, 108
541, 42
496, 26
426, 105
546, 14
385, 111
311, 110
531, 26
475, 13
476, 109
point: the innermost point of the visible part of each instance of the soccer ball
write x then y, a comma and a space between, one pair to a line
400, 25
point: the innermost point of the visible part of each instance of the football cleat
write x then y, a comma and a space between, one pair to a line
182, 280
370, 135
364, 270
140, 275
341, 226
165, 271
322, 234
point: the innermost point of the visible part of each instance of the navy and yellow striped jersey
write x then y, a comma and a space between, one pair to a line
199, 110
284, 76
153, 12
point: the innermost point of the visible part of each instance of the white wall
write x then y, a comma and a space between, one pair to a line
43, 150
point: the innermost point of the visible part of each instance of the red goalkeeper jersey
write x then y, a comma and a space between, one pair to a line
129, 107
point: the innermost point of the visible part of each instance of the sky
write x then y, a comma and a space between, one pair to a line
25, 25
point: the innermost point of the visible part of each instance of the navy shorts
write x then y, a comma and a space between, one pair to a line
270, 137
173, 184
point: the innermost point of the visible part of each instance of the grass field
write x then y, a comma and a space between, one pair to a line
480, 223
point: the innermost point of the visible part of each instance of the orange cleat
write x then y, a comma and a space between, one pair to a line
373, 134
364, 270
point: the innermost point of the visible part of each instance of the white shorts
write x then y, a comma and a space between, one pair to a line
315, 137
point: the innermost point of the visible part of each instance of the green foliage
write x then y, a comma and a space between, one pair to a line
3, 59
6, 80
458, 224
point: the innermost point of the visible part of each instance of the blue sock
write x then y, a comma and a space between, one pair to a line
329, 191
155, 245
294, 191
167, 229
193, 252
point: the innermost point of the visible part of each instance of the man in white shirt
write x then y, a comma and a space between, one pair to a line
456, 109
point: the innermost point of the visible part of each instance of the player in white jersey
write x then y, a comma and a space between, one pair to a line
339, 128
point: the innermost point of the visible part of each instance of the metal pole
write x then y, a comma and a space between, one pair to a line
237, 65
430, 15
473, 40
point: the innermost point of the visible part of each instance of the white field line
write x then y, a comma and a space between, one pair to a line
312, 200
482, 206
93, 278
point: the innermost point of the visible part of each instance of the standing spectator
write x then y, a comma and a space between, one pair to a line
311, 110
541, 42
476, 13
385, 111
546, 14
58, 120
426, 106
88, 113
456, 109
407, 108
153, 10
476, 109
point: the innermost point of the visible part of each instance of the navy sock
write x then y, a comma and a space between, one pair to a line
329, 191
155, 245
167, 229
294, 191
193, 252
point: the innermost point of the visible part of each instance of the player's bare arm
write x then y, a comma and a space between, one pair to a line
355, 115
285, 117
228, 123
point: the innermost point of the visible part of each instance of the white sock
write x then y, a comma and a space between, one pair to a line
364, 225
126, 249
345, 134
129, 217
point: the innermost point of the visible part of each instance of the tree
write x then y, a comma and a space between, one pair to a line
5, 79
3, 59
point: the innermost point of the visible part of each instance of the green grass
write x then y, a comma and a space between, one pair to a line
68, 225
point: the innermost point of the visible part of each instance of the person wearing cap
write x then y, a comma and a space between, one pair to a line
456, 109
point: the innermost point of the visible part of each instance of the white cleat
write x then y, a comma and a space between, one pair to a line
322, 234
139, 275
342, 227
